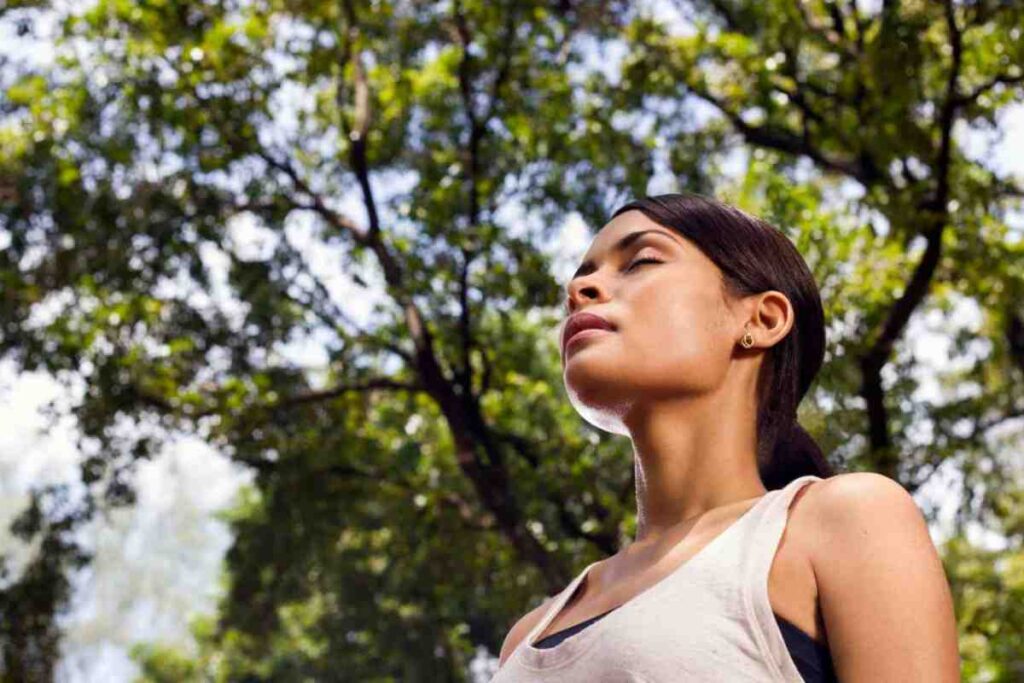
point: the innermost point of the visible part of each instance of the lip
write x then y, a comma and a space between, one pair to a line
583, 335
584, 325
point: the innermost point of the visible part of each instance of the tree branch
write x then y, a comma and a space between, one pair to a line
948, 115
935, 220
786, 141
462, 34
317, 204
460, 412
973, 95
361, 124
832, 36
317, 396
165, 405
334, 314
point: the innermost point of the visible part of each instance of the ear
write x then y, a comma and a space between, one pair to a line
771, 319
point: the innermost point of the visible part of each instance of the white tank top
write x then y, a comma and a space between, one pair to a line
708, 620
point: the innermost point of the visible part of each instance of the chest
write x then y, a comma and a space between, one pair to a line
792, 588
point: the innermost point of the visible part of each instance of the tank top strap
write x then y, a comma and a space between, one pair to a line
556, 606
756, 569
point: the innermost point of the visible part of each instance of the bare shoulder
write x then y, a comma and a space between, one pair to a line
857, 497
522, 627
884, 595
849, 513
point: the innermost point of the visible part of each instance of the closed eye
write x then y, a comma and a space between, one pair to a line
632, 265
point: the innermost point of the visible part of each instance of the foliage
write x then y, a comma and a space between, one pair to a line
430, 481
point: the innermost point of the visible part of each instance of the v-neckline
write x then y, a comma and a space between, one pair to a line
546, 654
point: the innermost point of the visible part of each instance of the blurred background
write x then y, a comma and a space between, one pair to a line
279, 283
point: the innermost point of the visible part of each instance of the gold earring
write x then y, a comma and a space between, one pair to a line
747, 341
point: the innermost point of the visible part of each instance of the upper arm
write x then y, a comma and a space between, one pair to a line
520, 629
884, 595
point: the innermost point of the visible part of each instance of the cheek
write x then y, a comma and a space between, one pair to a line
677, 331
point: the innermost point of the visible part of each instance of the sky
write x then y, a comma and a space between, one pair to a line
158, 563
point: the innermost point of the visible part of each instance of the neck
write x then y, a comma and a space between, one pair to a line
690, 458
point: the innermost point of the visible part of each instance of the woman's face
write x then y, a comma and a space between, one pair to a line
674, 332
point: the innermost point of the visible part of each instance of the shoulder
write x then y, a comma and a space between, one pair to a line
521, 628
860, 496
883, 591
855, 513
844, 505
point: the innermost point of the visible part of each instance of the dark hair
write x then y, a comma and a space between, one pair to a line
755, 256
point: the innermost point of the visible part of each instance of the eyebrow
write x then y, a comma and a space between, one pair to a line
588, 266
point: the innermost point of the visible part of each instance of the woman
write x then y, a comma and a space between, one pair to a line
695, 330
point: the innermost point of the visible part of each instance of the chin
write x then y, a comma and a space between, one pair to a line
589, 381
601, 401
603, 418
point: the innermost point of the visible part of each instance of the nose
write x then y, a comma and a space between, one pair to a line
580, 290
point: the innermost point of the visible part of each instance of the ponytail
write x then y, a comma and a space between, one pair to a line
795, 454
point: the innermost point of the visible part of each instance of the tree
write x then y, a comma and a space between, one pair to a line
124, 165
430, 480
